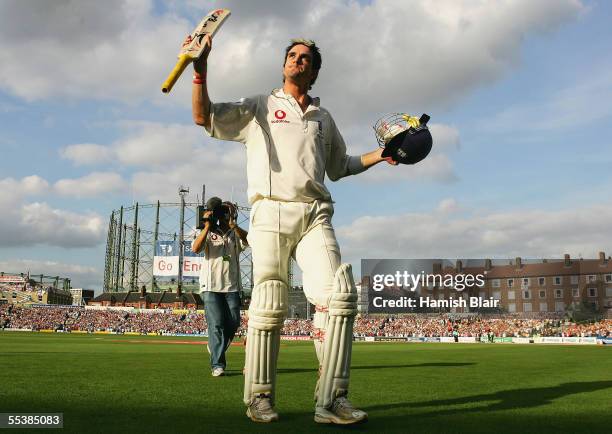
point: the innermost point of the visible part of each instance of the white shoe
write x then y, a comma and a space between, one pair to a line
341, 412
218, 372
261, 410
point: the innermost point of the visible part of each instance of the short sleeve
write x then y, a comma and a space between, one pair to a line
240, 245
337, 163
231, 120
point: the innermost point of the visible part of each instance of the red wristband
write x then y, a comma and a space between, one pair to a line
197, 81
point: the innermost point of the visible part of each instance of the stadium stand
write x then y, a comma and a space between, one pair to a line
153, 321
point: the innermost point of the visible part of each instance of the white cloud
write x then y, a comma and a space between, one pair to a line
526, 233
123, 51
221, 165
81, 276
87, 154
93, 184
448, 205
28, 224
28, 185
156, 144
437, 167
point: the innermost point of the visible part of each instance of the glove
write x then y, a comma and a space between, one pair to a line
412, 121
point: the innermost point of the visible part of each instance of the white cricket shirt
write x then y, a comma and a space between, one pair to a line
220, 270
288, 151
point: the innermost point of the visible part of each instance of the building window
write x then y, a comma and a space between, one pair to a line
558, 293
526, 294
592, 292
497, 295
591, 278
511, 307
574, 280
559, 306
609, 291
511, 295
526, 307
575, 292
495, 283
541, 281
608, 278
542, 293
558, 280
525, 281
543, 307
510, 283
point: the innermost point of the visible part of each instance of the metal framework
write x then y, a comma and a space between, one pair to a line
133, 233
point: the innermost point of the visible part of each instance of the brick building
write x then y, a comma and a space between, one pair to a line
547, 286
152, 300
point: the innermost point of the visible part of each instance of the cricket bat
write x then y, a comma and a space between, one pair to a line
193, 50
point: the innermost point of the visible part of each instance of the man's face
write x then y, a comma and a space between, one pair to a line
298, 66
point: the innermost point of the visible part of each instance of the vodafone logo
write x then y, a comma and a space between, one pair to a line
280, 116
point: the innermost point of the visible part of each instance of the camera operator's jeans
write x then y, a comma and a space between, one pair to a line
222, 311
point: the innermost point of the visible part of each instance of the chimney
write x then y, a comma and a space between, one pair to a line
459, 266
488, 265
567, 260
437, 268
602, 258
179, 291
518, 262
544, 261
143, 290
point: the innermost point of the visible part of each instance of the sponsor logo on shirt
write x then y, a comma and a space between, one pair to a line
280, 117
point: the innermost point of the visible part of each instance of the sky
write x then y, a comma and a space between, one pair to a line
519, 94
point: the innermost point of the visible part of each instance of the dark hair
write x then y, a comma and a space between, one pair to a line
213, 202
314, 50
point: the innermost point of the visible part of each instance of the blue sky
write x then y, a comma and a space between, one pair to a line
519, 94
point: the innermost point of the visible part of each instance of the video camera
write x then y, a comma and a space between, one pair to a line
221, 211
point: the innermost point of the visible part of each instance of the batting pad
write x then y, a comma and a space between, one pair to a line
319, 323
267, 313
334, 378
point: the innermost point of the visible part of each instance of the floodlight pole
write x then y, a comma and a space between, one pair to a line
155, 238
182, 193
133, 272
118, 263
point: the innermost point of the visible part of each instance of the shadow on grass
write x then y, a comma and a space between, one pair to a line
192, 414
380, 367
503, 400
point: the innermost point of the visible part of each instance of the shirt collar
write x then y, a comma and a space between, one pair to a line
315, 102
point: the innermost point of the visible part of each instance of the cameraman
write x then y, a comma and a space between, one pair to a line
222, 241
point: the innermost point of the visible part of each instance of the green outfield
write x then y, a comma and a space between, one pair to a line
108, 383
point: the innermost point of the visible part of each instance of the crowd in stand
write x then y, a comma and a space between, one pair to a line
161, 322
477, 326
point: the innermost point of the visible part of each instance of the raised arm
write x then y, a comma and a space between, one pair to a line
200, 102
198, 243
242, 234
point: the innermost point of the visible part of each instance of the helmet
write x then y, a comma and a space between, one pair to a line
406, 139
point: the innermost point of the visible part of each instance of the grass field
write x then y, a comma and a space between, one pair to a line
108, 383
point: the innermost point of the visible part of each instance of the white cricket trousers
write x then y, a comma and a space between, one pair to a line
279, 230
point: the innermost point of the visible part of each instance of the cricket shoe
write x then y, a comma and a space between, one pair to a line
341, 412
261, 410
218, 372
